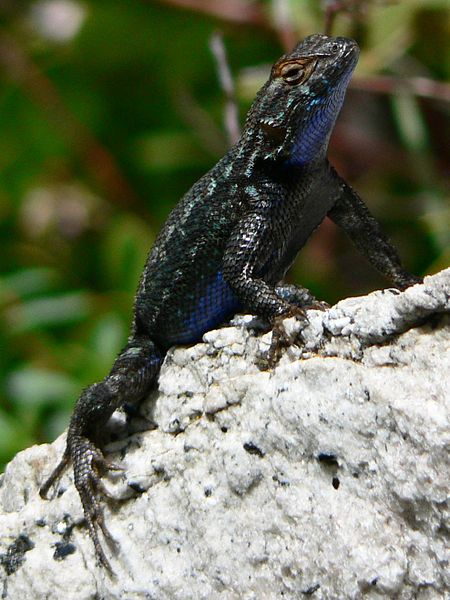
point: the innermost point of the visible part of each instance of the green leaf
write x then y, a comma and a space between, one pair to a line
107, 339
29, 281
14, 435
52, 311
33, 387
410, 122
125, 249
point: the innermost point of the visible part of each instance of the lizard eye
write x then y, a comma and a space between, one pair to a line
292, 73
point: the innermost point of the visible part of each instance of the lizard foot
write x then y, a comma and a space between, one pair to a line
89, 463
280, 338
407, 281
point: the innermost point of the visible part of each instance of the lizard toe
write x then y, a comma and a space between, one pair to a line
280, 339
88, 462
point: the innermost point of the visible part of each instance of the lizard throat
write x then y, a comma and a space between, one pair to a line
312, 133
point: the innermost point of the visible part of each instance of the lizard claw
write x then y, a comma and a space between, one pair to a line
318, 305
88, 461
279, 337
55, 475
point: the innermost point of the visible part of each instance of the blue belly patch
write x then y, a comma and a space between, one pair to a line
215, 302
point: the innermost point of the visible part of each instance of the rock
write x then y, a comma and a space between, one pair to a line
325, 477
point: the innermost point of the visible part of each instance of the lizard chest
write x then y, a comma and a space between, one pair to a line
297, 212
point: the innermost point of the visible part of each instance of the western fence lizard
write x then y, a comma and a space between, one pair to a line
229, 242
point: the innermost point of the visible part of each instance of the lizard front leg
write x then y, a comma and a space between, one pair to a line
350, 213
130, 378
250, 246
248, 249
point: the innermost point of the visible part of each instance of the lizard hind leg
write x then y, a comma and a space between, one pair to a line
131, 377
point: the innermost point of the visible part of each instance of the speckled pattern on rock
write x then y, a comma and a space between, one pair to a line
324, 478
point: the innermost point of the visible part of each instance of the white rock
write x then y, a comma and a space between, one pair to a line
325, 477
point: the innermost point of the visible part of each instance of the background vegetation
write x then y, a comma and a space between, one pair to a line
110, 110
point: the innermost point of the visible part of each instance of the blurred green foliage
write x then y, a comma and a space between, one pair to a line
110, 111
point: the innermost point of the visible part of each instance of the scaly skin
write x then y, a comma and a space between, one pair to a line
229, 242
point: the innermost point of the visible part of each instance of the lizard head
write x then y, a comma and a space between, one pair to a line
295, 111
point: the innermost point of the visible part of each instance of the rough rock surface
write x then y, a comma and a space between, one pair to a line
325, 477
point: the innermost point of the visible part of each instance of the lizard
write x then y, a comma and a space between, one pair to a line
228, 243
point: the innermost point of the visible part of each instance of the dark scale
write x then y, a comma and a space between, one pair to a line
229, 242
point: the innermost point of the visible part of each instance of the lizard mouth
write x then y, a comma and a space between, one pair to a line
352, 51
